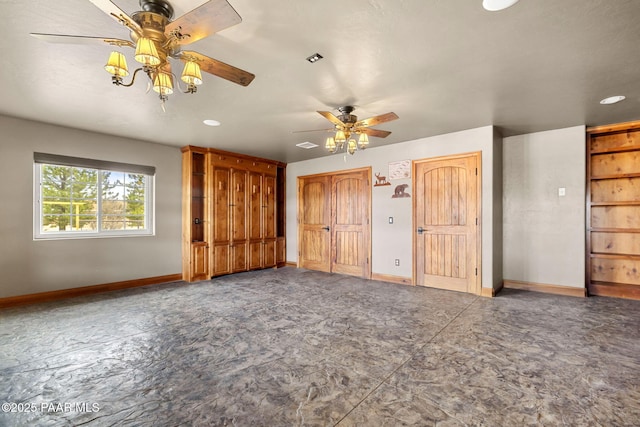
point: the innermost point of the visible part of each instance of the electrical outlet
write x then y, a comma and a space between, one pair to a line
397, 262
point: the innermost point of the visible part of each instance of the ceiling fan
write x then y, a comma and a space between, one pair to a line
156, 38
347, 124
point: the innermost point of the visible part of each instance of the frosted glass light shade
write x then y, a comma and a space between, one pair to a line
364, 141
330, 145
351, 146
117, 65
191, 74
146, 52
340, 137
163, 84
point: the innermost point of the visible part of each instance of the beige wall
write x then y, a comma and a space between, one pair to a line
544, 233
391, 241
28, 266
529, 233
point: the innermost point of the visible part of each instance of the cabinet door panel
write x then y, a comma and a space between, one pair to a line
269, 207
238, 257
221, 182
269, 253
221, 263
199, 261
255, 206
255, 255
281, 251
239, 205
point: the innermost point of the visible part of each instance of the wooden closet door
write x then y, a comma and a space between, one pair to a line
220, 226
350, 224
334, 227
446, 223
255, 220
269, 220
314, 227
239, 220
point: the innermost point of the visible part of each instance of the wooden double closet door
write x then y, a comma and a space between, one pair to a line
334, 230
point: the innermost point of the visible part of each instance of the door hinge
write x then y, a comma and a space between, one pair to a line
476, 171
476, 271
476, 221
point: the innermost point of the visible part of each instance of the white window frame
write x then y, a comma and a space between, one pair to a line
41, 159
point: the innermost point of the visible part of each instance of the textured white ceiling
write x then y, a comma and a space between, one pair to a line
441, 65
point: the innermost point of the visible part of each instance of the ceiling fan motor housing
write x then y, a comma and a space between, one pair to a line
161, 7
346, 117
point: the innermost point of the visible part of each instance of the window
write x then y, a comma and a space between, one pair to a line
91, 198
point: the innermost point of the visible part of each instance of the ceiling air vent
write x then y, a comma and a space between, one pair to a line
307, 145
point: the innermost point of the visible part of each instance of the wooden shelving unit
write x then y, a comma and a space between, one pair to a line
613, 210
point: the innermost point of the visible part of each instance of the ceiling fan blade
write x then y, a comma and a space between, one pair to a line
66, 38
118, 14
219, 68
374, 132
372, 121
209, 18
329, 116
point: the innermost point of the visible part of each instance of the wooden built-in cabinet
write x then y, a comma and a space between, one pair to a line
613, 210
233, 213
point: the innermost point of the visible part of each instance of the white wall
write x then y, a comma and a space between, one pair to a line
544, 233
28, 266
391, 241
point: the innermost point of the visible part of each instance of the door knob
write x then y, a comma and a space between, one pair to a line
326, 228
421, 230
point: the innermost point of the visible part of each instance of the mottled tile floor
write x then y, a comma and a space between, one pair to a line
294, 347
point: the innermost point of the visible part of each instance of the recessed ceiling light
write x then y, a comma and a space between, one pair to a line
307, 145
211, 122
314, 58
612, 100
496, 5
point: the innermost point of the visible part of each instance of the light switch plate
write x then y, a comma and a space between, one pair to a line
562, 191
390, 220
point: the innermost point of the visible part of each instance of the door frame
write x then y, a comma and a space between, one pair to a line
367, 238
477, 288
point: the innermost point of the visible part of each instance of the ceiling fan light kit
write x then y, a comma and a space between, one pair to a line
347, 124
157, 38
